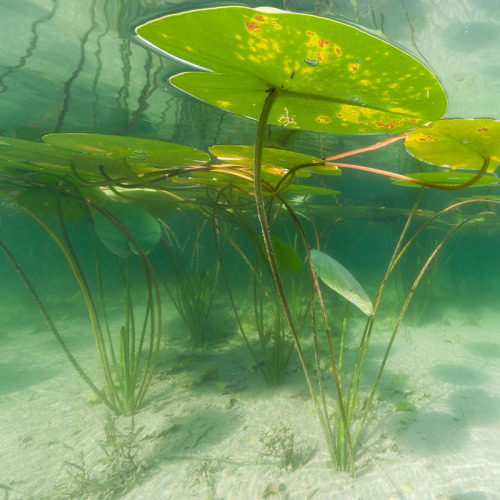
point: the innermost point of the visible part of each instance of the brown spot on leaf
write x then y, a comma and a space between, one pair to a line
252, 26
323, 119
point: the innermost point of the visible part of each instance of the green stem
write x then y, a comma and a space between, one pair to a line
54, 330
266, 109
365, 339
403, 311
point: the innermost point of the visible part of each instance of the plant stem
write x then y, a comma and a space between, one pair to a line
403, 311
266, 109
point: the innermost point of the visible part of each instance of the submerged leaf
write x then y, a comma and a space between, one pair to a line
286, 256
338, 278
141, 225
51, 204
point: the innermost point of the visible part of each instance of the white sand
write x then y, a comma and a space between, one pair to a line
204, 440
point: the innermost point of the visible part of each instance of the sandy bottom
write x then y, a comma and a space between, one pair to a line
208, 426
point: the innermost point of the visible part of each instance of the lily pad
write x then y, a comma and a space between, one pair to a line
133, 149
338, 278
302, 189
447, 179
273, 160
20, 155
457, 143
328, 76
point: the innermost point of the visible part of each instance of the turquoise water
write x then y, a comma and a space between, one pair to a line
227, 413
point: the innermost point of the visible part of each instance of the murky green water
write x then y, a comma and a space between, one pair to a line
167, 305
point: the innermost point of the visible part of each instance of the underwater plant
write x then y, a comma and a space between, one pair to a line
276, 346
128, 359
194, 287
112, 475
305, 72
292, 71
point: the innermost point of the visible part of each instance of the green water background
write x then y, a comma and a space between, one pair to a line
68, 66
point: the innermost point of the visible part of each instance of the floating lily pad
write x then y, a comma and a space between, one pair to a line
135, 150
273, 160
338, 278
457, 143
310, 190
328, 76
27, 150
28, 156
447, 179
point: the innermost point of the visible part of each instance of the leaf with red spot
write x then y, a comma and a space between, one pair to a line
457, 143
273, 160
329, 76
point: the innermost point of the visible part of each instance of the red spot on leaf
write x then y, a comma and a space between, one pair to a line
482, 129
259, 18
354, 67
323, 119
392, 124
252, 26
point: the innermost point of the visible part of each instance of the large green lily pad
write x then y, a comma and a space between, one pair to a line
95, 157
457, 143
134, 150
302, 189
17, 155
329, 76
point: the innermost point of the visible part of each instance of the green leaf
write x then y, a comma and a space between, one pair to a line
142, 226
447, 179
272, 159
338, 278
42, 202
457, 143
157, 202
302, 189
329, 76
135, 150
286, 256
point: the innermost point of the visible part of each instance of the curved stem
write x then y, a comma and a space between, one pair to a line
393, 175
403, 311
